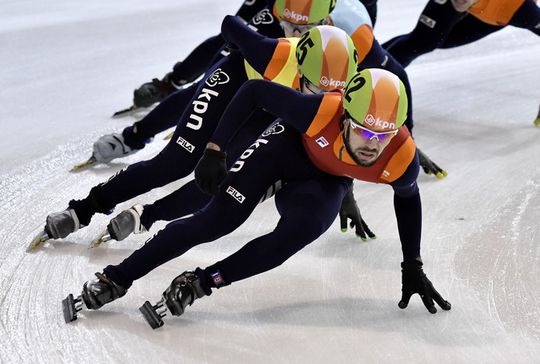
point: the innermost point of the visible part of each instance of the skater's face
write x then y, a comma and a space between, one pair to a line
364, 145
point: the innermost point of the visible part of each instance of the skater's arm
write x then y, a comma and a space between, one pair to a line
250, 8
354, 19
260, 51
408, 210
208, 52
198, 61
297, 109
396, 68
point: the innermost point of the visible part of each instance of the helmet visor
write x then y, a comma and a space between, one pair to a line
296, 30
368, 135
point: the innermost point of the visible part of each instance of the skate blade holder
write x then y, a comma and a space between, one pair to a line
103, 238
153, 314
38, 240
125, 112
71, 306
79, 167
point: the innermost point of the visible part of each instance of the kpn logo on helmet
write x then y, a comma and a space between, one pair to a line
376, 122
330, 82
292, 15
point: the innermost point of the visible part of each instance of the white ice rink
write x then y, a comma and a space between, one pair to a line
65, 66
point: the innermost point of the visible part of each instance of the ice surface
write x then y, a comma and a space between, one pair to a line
66, 66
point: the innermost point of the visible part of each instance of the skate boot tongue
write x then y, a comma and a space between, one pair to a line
100, 291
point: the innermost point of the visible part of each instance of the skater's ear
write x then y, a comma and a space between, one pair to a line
300, 74
343, 122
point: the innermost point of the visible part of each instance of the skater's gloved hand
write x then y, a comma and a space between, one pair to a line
151, 92
414, 280
350, 210
429, 166
211, 170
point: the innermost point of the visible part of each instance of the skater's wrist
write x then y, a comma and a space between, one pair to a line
213, 146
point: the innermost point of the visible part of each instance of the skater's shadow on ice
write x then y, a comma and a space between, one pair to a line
379, 315
79, 249
113, 319
337, 314
103, 169
133, 323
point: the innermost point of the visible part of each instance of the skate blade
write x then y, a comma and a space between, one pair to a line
78, 167
152, 315
38, 240
104, 237
124, 112
70, 307
169, 136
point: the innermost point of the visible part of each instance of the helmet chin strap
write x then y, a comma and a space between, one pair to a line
344, 132
347, 146
345, 116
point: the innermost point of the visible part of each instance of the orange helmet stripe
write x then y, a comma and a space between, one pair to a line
385, 100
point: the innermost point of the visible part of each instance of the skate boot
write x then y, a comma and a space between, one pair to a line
105, 149
95, 294
61, 224
119, 228
182, 292
111, 146
127, 222
537, 121
58, 226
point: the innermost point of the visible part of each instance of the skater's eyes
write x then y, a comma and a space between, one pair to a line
367, 134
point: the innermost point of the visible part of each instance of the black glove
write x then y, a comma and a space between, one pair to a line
429, 166
133, 139
414, 280
183, 291
151, 92
210, 171
349, 210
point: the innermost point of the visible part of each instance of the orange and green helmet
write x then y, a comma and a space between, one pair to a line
327, 57
376, 99
303, 11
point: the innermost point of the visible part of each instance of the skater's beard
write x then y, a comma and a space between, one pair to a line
356, 158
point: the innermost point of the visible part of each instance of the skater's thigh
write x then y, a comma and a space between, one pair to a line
314, 203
